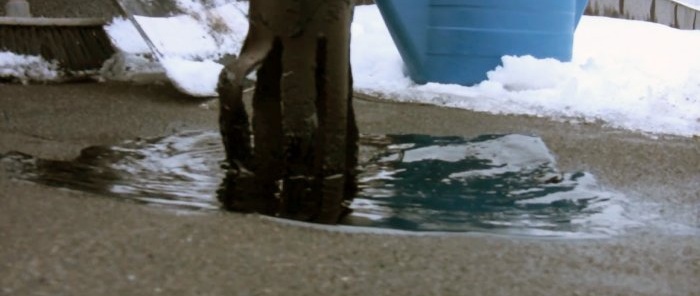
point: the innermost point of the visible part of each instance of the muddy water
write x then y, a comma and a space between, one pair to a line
506, 184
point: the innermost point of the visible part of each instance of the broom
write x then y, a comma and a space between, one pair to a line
77, 44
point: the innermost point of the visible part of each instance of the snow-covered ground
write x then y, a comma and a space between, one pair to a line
692, 3
628, 74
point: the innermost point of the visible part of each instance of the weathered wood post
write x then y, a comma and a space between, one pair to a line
301, 163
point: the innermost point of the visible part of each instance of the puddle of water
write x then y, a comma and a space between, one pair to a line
506, 184
182, 170
500, 184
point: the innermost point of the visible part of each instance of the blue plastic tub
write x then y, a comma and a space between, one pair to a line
458, 41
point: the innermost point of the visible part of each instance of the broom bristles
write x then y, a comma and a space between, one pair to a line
75, 47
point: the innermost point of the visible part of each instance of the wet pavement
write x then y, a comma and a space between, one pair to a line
58, 241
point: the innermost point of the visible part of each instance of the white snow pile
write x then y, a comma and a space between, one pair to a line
25, 68
630, 74
187, 45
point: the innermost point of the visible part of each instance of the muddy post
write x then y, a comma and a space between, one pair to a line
298, 160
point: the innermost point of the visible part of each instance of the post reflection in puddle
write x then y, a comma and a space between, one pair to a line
506, 184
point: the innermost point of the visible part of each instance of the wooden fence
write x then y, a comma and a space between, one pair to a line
667, 12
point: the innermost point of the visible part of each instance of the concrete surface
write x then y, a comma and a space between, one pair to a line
61, 242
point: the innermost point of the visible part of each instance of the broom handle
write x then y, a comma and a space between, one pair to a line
154, 49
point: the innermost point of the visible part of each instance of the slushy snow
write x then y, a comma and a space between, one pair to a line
632, 75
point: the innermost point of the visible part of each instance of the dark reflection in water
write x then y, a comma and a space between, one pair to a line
504, 184
181, 170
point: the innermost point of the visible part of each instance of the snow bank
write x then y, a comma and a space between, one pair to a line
187, 46
629, 74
